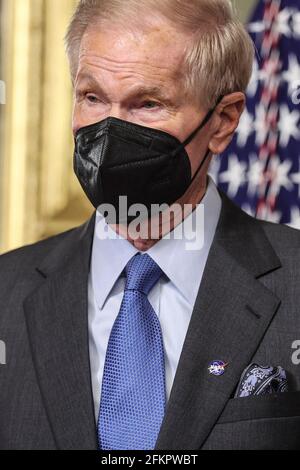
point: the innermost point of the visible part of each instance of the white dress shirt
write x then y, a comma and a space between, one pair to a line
172, 298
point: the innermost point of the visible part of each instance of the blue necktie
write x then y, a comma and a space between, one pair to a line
133, 394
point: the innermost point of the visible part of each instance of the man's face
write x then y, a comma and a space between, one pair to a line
137, 76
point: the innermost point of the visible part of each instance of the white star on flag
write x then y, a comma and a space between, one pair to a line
287, 23
235, 175
292, 75
245, 128
257, 27
295, 217
255, 174
260, 169
296, 25
258, 75
295, 177
288, 125
280, 176
282, 23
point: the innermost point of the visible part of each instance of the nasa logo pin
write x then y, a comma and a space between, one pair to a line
217, 368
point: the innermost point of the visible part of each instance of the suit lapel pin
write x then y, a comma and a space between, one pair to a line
217, 368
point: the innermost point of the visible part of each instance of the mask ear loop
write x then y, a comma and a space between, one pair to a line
201, 166
199, 128
193, 135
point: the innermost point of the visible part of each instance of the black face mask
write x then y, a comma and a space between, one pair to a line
116, 158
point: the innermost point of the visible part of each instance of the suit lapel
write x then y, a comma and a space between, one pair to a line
57, 322
231, 315
232, 312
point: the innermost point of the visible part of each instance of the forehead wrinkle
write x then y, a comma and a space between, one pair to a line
144, 75
128, 73
112, 64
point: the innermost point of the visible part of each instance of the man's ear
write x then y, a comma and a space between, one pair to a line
227, 117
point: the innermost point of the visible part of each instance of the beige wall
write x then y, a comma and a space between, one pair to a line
245, 7
39, 195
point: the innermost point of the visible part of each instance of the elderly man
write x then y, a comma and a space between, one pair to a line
119, 339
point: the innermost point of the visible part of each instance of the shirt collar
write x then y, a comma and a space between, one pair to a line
179, 258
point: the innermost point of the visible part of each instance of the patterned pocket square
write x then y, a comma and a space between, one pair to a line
260, 380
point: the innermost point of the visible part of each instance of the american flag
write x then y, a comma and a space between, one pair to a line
260, 170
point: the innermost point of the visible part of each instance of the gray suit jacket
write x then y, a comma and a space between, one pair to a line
247, 310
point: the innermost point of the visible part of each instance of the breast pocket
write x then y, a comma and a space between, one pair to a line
270, 422
259, 407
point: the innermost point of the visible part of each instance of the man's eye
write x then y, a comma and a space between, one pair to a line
92, 98
150, 105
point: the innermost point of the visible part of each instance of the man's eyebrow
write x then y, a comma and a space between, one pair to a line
87, 78
90, 82
149, 91
137, 92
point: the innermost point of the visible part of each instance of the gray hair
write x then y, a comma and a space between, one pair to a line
219, 57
